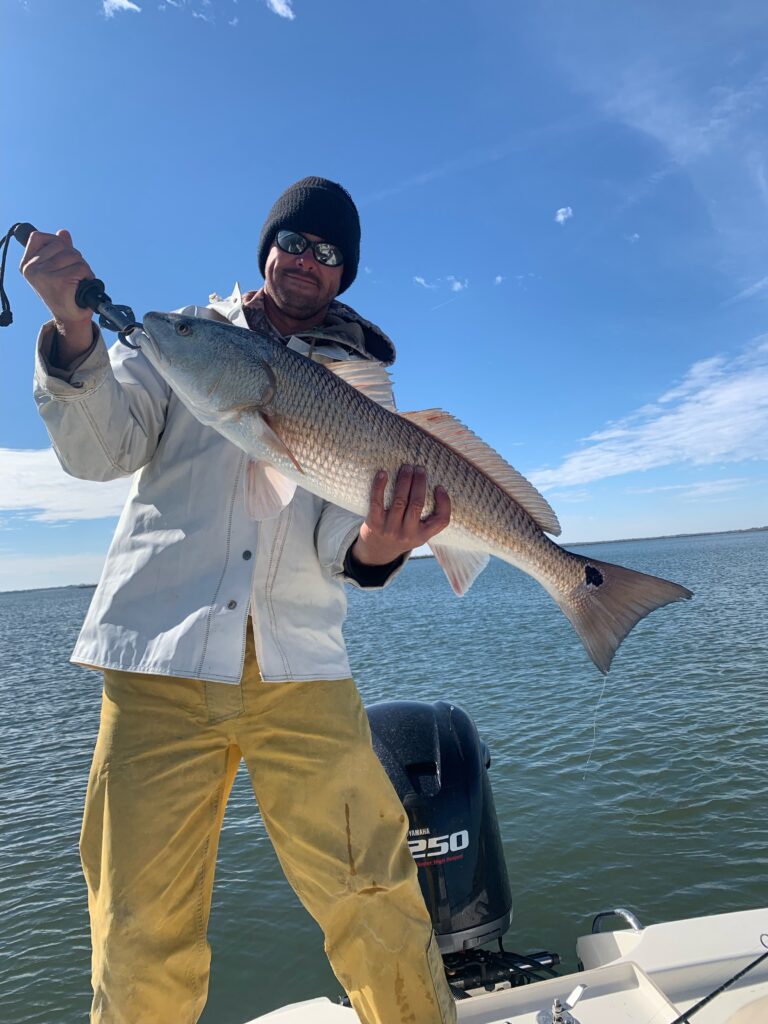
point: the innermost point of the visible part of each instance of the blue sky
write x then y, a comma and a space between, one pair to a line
564, 209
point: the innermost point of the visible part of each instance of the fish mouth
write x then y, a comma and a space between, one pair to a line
153, 322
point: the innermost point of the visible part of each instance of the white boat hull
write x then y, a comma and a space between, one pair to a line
650, 976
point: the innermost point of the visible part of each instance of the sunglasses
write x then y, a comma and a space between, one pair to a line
295, 244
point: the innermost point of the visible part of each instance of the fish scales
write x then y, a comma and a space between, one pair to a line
330, 438
330, 428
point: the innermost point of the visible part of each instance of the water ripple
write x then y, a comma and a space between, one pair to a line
666, 813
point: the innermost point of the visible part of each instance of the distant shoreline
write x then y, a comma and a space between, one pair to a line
632, 540
572, 544
669, 536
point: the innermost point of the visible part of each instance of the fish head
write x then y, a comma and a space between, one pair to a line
213, 367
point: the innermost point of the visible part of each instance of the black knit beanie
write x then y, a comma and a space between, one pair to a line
318, 207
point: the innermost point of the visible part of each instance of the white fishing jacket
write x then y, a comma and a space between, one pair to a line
187, 563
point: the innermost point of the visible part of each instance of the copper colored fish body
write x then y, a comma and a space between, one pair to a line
329, 429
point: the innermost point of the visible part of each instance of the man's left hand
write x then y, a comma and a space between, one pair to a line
388, 533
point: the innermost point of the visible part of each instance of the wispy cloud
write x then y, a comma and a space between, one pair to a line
113, 7
282, 7
35, 484
479, 157
690, 126
633, 238
498, 279
563, 214
747, 293
704, 114
717, 414
201, 10
456, 285
700, 489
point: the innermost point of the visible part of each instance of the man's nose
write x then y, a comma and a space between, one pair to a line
307, 255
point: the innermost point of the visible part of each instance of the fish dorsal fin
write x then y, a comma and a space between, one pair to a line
267, 491
452, 432
371, 378
461, 567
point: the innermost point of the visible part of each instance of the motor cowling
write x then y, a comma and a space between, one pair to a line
438, 765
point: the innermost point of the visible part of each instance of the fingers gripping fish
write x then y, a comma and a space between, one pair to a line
302, 423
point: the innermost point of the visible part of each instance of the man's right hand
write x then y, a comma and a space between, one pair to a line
54, 268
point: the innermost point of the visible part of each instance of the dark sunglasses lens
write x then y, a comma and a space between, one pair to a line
290, 241
327, 254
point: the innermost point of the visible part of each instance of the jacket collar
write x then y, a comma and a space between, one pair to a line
343, 325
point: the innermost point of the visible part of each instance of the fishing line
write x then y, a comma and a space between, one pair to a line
594, 729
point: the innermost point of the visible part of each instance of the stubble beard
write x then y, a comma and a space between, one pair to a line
297, 303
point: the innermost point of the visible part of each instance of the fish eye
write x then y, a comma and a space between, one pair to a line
183, 328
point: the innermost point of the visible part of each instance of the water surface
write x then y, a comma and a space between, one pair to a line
651, 793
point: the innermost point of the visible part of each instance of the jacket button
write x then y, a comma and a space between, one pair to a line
246, 555
231, 605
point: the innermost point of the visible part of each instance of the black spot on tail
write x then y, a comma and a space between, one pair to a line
593, 575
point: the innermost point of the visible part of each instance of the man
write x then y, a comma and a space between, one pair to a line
220, 639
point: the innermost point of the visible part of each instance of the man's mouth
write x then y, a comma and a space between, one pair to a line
304, 278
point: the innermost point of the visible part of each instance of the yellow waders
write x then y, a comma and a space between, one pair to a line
165, 760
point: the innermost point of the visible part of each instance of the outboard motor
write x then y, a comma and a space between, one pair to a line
438, 765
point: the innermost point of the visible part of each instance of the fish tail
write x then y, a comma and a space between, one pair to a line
608, 600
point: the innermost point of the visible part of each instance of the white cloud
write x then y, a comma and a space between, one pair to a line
634, 237
691, 125
282, 7
111, 7
747, 293
454, 283
457, 285
498, 279
519, 143
563, 214
703, 112
35, 483
717, 414
695, 491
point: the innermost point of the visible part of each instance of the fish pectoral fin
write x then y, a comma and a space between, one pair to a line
267, 491
370, 378
460, 566
276, 443
450, 431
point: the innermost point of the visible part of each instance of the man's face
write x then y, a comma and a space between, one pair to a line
298, 285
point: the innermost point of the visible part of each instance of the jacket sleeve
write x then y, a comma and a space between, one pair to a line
106, 416
335, 534
106, 413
